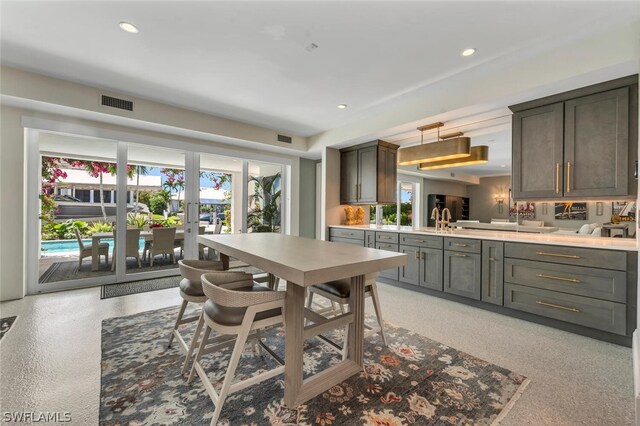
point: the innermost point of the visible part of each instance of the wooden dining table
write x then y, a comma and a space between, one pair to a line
303, 262
147, 235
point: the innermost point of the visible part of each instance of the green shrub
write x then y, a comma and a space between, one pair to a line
64, 230
137, 220
99, 227
157, 203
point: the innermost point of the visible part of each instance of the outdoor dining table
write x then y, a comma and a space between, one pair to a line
147, 235
304, 262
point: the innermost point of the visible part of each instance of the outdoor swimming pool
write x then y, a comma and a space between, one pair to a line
71, 246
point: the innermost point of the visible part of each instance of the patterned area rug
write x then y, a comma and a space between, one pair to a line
5, 325
413, 381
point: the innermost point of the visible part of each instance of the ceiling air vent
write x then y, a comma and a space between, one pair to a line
117, 103
283, 138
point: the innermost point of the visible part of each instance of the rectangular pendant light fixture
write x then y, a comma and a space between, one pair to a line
479, 155
445, 150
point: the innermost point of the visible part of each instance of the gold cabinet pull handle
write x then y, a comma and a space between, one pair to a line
459, 254
553, 305
557, 178
553, 277
492, 259
418, 255
568, 256
568, 176
461, 245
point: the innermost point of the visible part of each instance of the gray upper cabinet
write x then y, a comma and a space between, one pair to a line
537, 152
579, 144
368, 173
596, 144
349, 177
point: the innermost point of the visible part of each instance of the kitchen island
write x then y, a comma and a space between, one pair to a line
581, 284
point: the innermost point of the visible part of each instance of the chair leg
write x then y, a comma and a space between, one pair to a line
150, 259
228, 379
203, 344
80, 262
139, 263
376, 307
175, 326
345, 343
113, 260
310, 300
192, 345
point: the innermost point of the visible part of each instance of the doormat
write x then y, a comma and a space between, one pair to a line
413, 381
6, 324
134, 287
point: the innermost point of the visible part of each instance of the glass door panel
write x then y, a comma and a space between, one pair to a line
264, 189
406, 203
77, 209
156, 186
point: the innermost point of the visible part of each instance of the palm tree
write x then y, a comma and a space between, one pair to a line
140, 170
265, 214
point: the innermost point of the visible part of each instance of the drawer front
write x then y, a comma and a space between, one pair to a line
590, 282
347, 241
421, 241
388, 247
387, 237
585, 311
370, 239
347, 233
608, 259
463, 244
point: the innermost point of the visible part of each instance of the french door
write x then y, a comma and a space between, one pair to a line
114, 193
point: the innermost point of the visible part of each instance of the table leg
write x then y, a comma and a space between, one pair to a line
294, 342
95, 254
225, 261
355, 343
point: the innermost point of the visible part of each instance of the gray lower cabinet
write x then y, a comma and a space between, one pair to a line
423, 268
370, 239
462, 274
492, 272
410, 273
348, 241
388, 273
431, 268
585, 311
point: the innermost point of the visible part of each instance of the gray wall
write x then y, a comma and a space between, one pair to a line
483, 206
482, 198
430, 186
307, 204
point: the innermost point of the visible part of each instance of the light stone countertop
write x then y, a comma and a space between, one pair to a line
627, 244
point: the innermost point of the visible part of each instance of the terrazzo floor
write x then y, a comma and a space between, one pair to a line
51, 360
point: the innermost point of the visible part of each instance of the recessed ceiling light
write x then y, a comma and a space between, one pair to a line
342, 106
468, 52
129, 27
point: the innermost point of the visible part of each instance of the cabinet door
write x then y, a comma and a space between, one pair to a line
492, 272
349, 177
370, 239
388, 273
462, 274
596, 145
537, 152
387, 175
431, 268
367, 174
410, 273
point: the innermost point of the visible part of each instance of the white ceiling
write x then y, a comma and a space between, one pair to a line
247, 60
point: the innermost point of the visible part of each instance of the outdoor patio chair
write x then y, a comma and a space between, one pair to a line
87, 250
191, 291
132, 249
339, 292
237, 308
162, 243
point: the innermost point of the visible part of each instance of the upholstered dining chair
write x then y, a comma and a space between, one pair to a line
339, 292
237, 308
86, 250
132, 249
163, 243
191, 292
